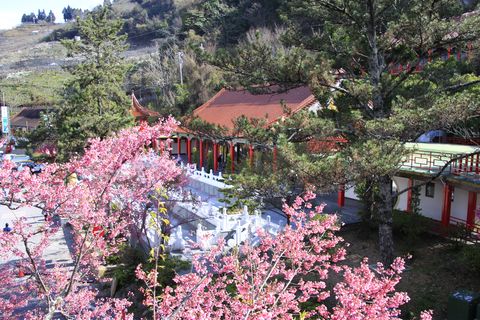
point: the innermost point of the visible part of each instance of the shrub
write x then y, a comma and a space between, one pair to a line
470, 257
409, 225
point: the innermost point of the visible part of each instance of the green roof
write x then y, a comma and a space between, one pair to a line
441, 147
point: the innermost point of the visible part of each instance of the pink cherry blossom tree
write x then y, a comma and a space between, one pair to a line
105, 196
275, 277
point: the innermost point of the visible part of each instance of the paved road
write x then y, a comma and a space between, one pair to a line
56, 252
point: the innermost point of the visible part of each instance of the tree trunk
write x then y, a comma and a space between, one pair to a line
385, 220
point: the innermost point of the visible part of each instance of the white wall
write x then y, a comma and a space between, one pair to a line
401, 183
432, 207
350, 193
459, 204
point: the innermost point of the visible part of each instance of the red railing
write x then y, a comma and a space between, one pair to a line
471, 231
459, 55
433, 162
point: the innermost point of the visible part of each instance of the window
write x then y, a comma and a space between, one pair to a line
430, 190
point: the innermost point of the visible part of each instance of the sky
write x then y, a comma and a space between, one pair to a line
11, 11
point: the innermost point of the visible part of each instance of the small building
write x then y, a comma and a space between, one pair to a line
28, 118
453, 197
222, 110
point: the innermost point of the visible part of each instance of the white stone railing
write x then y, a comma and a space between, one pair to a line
243, 225
205, 181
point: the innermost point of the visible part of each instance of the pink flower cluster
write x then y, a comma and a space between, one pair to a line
104, 196
276, 277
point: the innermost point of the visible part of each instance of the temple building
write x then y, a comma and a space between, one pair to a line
451, 198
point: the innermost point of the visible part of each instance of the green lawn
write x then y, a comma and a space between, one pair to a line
33, 88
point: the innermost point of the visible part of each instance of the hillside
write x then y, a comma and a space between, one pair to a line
32, 57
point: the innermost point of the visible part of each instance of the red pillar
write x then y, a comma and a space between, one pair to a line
472, 206
232, 156
189, 150
447, 204
274, 158
341, 196
201, 154
250, 153
215, 157
409, 196
179, 146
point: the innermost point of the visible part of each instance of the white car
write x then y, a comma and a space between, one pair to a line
16, 157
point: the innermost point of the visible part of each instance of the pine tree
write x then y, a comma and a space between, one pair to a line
346, 50
95, 103
51, 17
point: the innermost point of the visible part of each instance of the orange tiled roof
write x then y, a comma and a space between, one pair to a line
140, 112
228, 105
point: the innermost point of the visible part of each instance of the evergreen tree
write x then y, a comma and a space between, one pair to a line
67, 14
95, 103
32, 18
41, 15
345, 50
51, 17
24, 18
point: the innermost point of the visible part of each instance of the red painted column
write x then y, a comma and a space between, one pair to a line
179, 146
472, 206
201, 154
189, 150
341, 196
409, 196
447, 204
232, 156
215, 157
250, 153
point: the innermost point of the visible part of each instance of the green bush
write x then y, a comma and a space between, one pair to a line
470, 257
167, 269
196, 157
409, 225
209, 161
127, 259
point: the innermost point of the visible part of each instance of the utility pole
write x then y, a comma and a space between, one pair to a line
180, 65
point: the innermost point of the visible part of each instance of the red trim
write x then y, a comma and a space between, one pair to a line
472, 206
179, 146
341, 196
201, 154
409, 196
189, 150
250, 154
215, 156
447, 204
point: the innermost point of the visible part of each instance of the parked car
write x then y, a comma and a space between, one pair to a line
16, 157
34, 167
